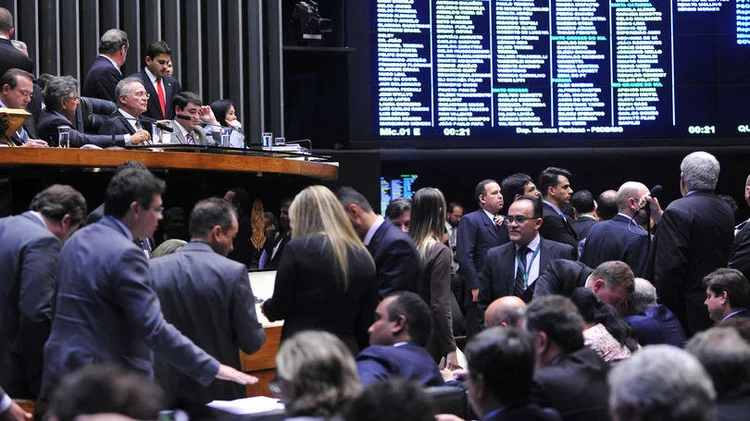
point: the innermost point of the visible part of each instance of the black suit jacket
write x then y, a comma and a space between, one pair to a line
561, 277
556, 228
619, 238
11, 58
409, 361
575, 386
740, 257
499, 273
476, 234
51, 120
582, 226
171, 88
396, 260
693, 239
525, 412
117, 125
101, 80
209, 299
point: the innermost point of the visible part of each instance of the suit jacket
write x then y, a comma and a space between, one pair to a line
396, 260
101, 80
108, 312
200, 136
11, 58
28, 259
499, 273
693, 239
582, 226
575, 386
733, 409
117, 125
524, 412
619, 238
555, 228
309, 293
476, 234
171, 88
49, 121
409, 361
208, 298
740, 257
657, 325
561, 277
274, 259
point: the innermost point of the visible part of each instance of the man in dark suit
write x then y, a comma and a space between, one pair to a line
16, 89
693, 239
209, 299
160, 87
556, 192
622, 237
101, 79
28, 258
740, 257
653, 323
561, 277
727, 294
572, 378
396, 258
478, 232
606, 205
275, 250
494, 357
513, 268
397, 340
10, 57
131, 102
584, 211
517, 185
106, 308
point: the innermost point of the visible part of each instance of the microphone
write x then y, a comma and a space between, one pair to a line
187, 117
656, 191
148, 120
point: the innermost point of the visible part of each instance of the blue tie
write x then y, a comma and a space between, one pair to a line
23, 135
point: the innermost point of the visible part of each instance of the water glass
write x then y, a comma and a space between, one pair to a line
63, 137
226, 132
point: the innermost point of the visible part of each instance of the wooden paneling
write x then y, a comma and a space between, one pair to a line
262, 364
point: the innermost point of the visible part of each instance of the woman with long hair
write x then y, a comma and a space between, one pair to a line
434, 286
326, 277
223, 109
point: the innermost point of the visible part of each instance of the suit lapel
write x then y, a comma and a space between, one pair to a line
544, 255
508, 261
153, 99
489, 224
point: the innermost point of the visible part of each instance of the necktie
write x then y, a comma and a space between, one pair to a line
263, 258
162, 97
23, 135
520, 287
189, 138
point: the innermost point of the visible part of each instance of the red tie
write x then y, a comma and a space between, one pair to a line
162, 97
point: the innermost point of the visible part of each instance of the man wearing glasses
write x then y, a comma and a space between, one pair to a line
132, 100
16, 90
512, 268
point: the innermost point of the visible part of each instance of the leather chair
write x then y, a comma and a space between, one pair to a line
450, 400
92, 113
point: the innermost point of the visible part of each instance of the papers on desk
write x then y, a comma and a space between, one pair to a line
244, 406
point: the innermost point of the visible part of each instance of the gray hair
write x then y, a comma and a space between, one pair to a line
644, 296
59, 88
663, 383
20, 45
124, 87
726, 358
701, 171
112, 41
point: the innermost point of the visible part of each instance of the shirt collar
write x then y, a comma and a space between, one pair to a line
732, 314
151, 76
39, 217
371, 232
489, 215
400, 343
111, 61
553, 206
124, 228
628, 217
533, 244
131, 119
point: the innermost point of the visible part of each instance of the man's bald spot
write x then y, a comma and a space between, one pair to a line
629, 189
505, 311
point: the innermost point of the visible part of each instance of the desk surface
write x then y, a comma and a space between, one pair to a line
196, 160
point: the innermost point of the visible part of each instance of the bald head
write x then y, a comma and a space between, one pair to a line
505, 311
629, 196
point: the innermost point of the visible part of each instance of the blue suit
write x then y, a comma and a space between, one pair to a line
107, 311
396, 260
620, 238
523, 412
101, 80
657, 325
49, 121
28, 262
409, 361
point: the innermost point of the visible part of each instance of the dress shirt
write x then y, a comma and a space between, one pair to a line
371, 232
152, 77
5, 403
534, 270
733, 313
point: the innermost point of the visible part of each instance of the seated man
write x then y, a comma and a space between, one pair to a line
16, 89
397, 339
61, 101
727, 293
189, 113
561, 277
653, 323
505, 311
131, 101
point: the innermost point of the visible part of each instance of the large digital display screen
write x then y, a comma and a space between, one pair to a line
535, 72
394, 188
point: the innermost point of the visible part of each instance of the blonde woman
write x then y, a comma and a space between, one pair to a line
326, 277
434, 286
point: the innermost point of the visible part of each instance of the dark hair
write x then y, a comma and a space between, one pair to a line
138, 165
535, 203
271, 219
515, 185
221, 108
452, 206
733, 282
594, 311
348, 196
500, 354
481, 188
582, 201
615, 274
549, 177
97, 389
57, 200
209, 213
11, 76
156, 48
128, 186
394, 399
417, 314
184, 98
397, 207
558, 317
726, 358
241, 200
6, 20
606, 205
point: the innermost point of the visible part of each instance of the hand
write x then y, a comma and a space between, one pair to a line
16, 413
207, 115
230, 374
451, 361
475, 295
235, 123
656, 211
35, 143
447, 417
139, 136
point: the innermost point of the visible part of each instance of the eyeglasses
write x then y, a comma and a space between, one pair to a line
27, 94
519, 219
142, 95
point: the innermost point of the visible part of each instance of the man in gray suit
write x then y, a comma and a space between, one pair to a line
106, 308
189, 114
28, 258
208, 298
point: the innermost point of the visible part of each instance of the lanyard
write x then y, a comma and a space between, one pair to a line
525, 270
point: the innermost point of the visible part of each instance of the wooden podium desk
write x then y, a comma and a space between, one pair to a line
262, 363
